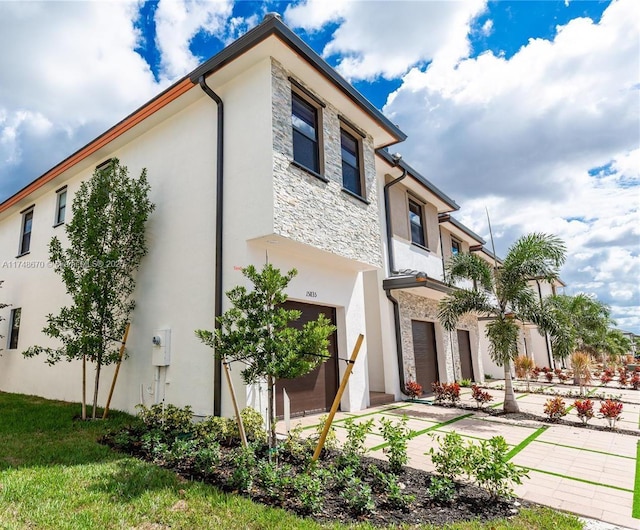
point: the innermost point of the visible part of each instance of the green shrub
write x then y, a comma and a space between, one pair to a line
358, 497
441, 489
396, 435
215, 428
491, 469
275, 480
465, 383
253, 424
243, 463
308, 489
207, 457
354, 446
171, 420
451, 459
331, 441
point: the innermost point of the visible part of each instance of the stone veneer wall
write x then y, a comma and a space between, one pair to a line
415, 307
314, 212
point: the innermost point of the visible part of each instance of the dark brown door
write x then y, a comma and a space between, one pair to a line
315, 391
464, 348
425, 354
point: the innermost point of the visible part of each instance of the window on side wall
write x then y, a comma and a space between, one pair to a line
14, 328
416, 222
305, 122
25, 234
61, 206
351, 148
456, 247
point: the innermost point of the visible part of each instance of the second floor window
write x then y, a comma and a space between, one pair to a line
25, 237
61, 207
455, 247
351, 167
14, 328
416, 222
304, 120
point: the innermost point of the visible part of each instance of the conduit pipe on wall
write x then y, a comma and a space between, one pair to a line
217, 371
392, 270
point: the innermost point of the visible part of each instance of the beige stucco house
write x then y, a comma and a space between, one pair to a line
263, 152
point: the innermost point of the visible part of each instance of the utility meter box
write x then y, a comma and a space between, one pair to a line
161, 354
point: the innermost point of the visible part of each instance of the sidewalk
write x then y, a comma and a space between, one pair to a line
589, 473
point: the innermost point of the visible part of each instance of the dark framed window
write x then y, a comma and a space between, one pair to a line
25, 236
416, 222
456, 247
351, 163
14, 328
61, 207
306, 133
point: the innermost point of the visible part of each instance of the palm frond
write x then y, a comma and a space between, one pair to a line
465, 266
461, 302
534, 256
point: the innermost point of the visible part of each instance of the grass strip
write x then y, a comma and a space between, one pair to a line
576, 479
356, 416
635, 510
415, 434
585, 449
526, 442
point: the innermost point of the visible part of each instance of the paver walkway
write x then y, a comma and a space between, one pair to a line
590, 473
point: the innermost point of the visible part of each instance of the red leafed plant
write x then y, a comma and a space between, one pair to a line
446, 392
413, 389
623, 378
584, 408
563, 376
549, 376
555, 408
480, 396
605, 378
635, 381
611, 410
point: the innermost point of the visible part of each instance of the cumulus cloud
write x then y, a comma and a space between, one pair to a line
178, 21
386, 38
72, 71
548, 140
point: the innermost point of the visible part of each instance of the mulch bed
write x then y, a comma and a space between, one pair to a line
470, 502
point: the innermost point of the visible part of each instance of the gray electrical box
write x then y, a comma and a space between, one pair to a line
161, 353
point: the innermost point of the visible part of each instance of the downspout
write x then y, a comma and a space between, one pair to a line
392, 269
217, 371
546, 335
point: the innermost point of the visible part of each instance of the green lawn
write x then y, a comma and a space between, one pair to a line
54, 475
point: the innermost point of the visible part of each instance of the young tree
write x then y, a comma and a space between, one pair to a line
257, 331
106, 244
2, 306
503, 293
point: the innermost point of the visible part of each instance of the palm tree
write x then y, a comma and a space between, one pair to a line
503, 294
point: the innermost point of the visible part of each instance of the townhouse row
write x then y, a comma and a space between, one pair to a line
262, 152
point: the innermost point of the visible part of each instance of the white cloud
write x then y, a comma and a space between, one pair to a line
388, 37
178, 21
522, 134
71, 71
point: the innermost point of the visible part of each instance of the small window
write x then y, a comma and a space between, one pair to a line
25, 238
416, 221
14, 328
306, 135
455, 247
61, 207
351, 163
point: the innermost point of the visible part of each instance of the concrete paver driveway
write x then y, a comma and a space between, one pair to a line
590, 473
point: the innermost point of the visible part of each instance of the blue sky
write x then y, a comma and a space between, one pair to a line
529, 109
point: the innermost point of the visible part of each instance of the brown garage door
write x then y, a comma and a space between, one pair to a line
315, 391
425, 354
464, 348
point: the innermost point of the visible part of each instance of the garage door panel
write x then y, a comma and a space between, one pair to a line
315, 391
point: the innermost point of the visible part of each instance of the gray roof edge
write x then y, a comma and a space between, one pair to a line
383, 153
465, 229
274, 26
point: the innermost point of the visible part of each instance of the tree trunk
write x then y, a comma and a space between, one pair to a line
271, 420
96, 387
84, 387
510, 403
